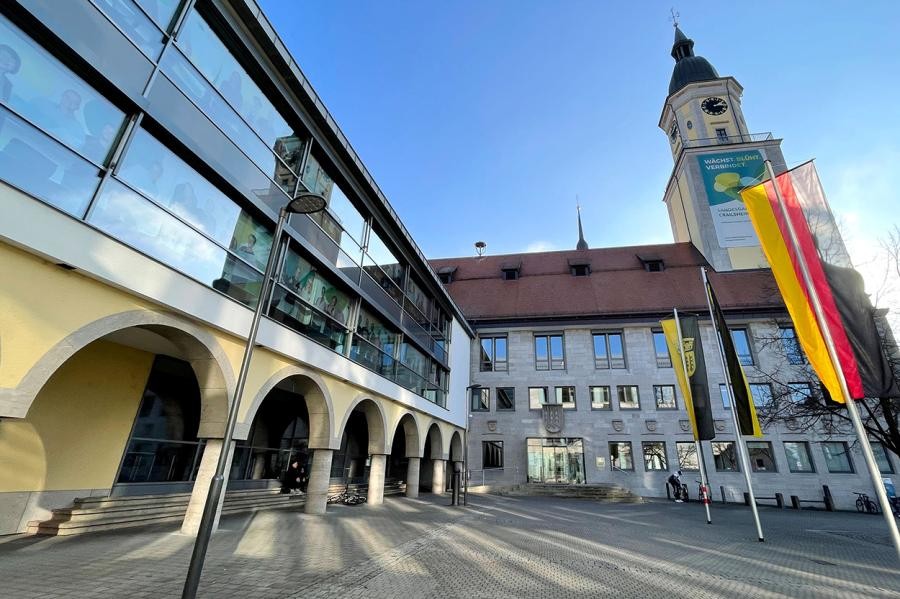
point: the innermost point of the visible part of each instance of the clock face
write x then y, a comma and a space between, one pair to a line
714, 106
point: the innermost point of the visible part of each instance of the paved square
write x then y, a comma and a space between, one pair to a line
497, 547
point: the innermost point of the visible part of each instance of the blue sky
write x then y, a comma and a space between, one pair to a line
483, 120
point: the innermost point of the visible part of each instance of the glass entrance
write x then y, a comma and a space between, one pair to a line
556, 460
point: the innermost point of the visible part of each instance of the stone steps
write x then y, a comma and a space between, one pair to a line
93, 514
607, 493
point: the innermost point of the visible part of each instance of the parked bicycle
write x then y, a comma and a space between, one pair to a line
347, 497
865, 505
683, 493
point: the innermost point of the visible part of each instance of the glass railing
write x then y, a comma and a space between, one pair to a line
725, 140
364, 353
293, 312
157, 461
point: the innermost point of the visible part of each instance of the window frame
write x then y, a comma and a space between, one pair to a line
885, 454
809, 458
547, 337
674, 407
716, 445
496, 444
541, 404
665, 456
608, 407
559, 392
512, 399
480, 393
612, 466
619, 397
753, 397
678, 456
608, 353
745, 330
846, 453
789, 352
492, 359
771, 449
664, 360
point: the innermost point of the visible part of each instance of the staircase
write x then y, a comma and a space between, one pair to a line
93, 514
606, 493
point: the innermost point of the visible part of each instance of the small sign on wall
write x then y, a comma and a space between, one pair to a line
601, 463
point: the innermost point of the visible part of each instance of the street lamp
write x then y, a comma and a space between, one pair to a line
303, 203
466, 443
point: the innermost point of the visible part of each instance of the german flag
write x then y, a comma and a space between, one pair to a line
848, 313
693, 383
740, 388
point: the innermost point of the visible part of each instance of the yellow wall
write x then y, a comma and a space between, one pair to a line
747, 257
75, 433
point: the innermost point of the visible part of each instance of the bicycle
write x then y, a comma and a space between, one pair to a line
864, 504
702, 492
683, 493
347, 497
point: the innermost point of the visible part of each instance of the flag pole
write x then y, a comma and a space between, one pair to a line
743, 454
697, 443
858, 427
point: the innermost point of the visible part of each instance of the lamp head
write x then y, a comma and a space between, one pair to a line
307, 202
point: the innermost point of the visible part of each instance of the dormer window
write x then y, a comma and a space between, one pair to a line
652, 263
445, 274
580, 270
510, 274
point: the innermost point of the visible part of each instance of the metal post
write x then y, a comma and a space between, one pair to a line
874, 472
687, 380
740, 447
466, 460
195, 568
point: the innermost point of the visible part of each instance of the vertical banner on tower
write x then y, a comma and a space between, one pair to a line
725, 174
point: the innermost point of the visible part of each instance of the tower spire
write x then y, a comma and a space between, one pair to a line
582, 244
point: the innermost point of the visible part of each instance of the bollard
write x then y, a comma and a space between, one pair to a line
795, 502
746, 498
722, 488
668, 492
779, 500
829, 500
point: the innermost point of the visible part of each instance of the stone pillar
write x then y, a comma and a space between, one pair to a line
412, 477
375, 496
319, 480
200, 491
437, 477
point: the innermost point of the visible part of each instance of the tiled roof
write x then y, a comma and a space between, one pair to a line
617, 286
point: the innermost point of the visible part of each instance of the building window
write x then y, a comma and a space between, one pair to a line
580, 270
791, 346
799, 393
762, 394
629, 398
549, 353
654, 265
881, 457
762, 459
510, 274
687, 456
600, 398
493, 354
724, 456
655, 455
663, 360
566, 397
481, 399
837, 457
620, 457
726, 400
798, 457
537, 396
722, 135
506, 399
665, 397
742, 346
491, 454
609, 350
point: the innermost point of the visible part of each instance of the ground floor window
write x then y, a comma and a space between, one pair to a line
492, 454
725, 456
762, 459
555, 460
655, 455
687, 456
798, 456
620, 456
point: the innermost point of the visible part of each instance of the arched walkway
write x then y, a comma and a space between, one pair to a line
433, 463
404, 461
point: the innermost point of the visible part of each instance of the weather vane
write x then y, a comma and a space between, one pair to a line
674, 17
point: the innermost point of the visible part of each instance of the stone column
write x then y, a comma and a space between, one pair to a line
437, 477
319, 480
377, 464
200, 491
412, 477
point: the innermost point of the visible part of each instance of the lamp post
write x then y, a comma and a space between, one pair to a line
303, 203
466, 443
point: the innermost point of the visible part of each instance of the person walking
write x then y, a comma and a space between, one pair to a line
293, 478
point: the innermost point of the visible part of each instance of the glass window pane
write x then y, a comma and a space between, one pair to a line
726, 399
724, 456
761, 457
344, 212
616, 351
492, 454
390, 271
687, 456
620, 457
762, 394
140, 29
791, 346
628, 397
799, 392
837, 457
537, 396
41, 166
487, 353
566, 397
373, 330
556, 347
302, 278
663, 360
600, 398
506, 398
41, 89
500, 349
481, 400
798, 457
665, 397
600, 356
881, 457
161, 11
655, 455
134, 220
308, 321
742, 346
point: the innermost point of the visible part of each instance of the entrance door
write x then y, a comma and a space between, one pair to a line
553, 460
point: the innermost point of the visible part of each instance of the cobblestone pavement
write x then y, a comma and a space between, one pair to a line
497, 547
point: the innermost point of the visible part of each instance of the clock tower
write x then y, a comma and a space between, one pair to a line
716, 155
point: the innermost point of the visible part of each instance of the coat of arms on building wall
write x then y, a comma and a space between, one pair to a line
720, 425
618, 425
651, 425
553, 417
684, 425
492, 425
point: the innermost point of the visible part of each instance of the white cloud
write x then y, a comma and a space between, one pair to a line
540, 246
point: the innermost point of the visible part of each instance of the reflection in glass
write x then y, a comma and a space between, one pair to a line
153, 169
600, 398
130, 19
134, 220
41, 89
687, 455
620, 457
798, 456
837, 457
412, 357
724, 456
42, 167
556, 460
296, 314
655, 455
376, 332
160, 11
309, 284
